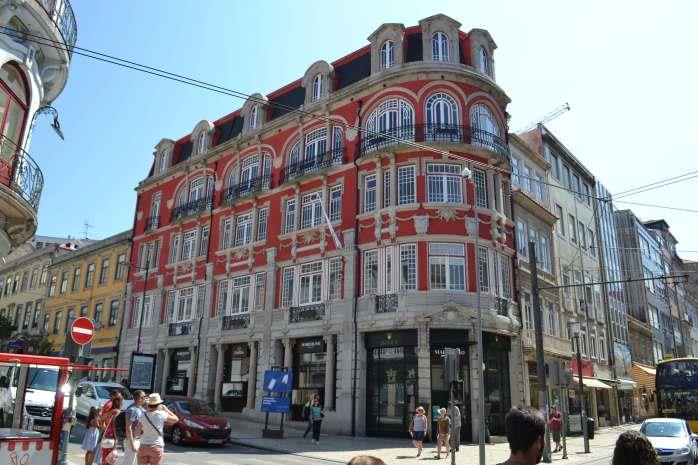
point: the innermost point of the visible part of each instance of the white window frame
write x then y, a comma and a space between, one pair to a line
310, 279
484, 65
290, 216
439, 46
334, 279
204, 238
483, 268
448, 256
254, 117
370, 196
442, 110
311, 210
448, 178
189, 244
387, 54
335, 203
482, 196
406, 185
227, 233
262, 223
243, 229
318, 87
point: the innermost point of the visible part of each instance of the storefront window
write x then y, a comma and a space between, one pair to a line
236, 372
178, 381
309, 357
497, 387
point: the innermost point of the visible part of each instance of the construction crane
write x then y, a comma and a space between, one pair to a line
550, 116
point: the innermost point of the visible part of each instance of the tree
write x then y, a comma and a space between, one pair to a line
6, 328
38, 345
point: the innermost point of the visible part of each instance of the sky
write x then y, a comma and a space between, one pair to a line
627, 69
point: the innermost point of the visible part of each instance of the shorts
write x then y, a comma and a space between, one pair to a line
444, 436
418, 435
556, 435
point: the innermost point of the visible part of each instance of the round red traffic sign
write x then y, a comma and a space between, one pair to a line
82, 330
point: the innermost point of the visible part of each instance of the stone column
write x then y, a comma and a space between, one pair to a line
219, 377
329, 373
165, 371
379, 185
490, 188
423, 366
288, 353
192, 370
393, 182
252, 376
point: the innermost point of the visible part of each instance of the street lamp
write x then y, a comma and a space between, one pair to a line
575, 330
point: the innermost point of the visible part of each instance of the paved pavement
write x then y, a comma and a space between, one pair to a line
249, 448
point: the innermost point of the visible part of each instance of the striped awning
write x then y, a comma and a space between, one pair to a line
644, 376
592, 383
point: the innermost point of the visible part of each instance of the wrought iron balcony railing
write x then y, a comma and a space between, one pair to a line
386, 303
432, 132
306, 313
314, 164
239, 321
182, 328
20, 172
502, 306
61, 14
245, 189
191, 208
152, 223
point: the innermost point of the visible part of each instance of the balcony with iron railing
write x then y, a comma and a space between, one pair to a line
61, 15
19, 172
319, 162
312, 312
432, 133
152, 223
386, 303
246, 189
182, 328
191, 208
238, 321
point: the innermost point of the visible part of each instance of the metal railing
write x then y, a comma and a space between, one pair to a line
433, 132
152, 223
239, 321
317, 163
22, 174
182, 328
502, 306
306, 313
245, 189
386, 303
191, 208
62, 16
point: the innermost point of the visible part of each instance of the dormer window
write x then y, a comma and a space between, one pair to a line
163, 161
201, 141
484, 62
254, 117
318, 84
387, 54
439, 46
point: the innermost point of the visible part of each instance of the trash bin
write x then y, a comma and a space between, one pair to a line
590, 428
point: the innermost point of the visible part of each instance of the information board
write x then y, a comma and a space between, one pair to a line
276, 404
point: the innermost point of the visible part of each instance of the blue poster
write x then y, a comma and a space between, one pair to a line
276, 404
278, 381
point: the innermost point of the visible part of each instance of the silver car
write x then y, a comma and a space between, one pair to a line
672, 439
95, 394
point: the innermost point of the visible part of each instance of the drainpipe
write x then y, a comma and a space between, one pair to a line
356, 278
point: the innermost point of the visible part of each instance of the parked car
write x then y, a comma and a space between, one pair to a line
95, 394
673, 440
198, 422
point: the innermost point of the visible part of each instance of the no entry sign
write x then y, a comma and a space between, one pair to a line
82, 330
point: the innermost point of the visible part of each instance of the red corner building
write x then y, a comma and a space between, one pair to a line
237, 270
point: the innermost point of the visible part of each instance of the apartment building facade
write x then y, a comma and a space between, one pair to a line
335, 246
89, 282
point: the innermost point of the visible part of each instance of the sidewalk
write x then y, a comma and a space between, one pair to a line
340, 449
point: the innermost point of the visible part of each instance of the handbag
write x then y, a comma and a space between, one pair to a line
108, 443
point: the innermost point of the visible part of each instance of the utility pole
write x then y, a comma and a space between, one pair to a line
540, 354
145, 289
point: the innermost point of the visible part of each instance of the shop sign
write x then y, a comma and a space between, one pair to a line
587, 368
441, 351
391, 338
182, 355
239, 350
310, 345
575, 422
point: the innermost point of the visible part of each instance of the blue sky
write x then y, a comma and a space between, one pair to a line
626, 68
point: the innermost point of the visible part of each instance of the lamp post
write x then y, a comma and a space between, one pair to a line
575, 330
474, 227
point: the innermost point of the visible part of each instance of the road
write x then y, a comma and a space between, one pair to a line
230, 454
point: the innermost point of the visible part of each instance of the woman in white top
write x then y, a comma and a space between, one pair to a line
152, 448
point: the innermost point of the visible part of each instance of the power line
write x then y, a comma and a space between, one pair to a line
628, 192
658, 186
657, 206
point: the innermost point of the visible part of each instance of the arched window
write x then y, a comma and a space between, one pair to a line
13, 103
442, 118
318, 84
315, 149
163, 161
254, 117
484, 61
485, 130
294, 154
201, 143
439, 46
387, 54
391, 121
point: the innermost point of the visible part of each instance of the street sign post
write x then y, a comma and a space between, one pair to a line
82, 331
278, 383
276, 404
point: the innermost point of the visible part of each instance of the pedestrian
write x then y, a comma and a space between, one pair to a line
108, 442
91, 438
316, 417
134, 428
365, 460
555, 424
455, 426
633, 448
525, 429
306, 414
443, 425
418, 429
152, 447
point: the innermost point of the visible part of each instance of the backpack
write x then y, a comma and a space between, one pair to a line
306, 412
120, 426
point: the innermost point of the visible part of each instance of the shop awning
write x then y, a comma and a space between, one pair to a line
644, 376
625, 384
592, 383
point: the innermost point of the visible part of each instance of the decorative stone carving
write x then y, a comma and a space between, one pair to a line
421, 224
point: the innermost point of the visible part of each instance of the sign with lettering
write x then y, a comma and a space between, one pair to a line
276, 404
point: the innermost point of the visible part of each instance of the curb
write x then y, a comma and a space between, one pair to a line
240, 442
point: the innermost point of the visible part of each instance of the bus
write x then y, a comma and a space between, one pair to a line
677, 389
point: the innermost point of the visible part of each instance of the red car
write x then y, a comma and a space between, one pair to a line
198, 423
